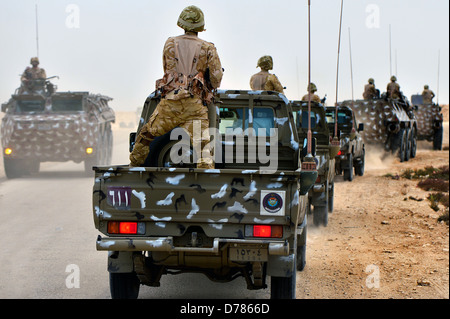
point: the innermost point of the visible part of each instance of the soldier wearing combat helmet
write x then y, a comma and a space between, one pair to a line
192, 70
393, 89
370, 92
314, 97
264, 80
427, 95
30, 75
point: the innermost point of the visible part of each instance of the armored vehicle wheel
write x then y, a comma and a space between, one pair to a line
437, 139
401, 141
413, 142
283, 287
359, 167
14, 168
348, 169
109, 146
34, 166
408, 145
124, 285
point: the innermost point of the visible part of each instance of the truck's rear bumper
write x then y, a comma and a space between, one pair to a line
277, 248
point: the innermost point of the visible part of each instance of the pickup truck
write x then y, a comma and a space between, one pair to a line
352, 151
321, 195
245, 218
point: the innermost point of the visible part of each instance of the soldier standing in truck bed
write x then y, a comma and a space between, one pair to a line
32, 74
393, 89
264, 80
192, 70
427, 95
370, 92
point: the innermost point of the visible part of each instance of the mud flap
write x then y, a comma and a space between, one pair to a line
281, 266
120, 261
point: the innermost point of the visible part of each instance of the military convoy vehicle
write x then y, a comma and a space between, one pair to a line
429, 121
48, 126
389, 123
351, 156
245, 218
321, 195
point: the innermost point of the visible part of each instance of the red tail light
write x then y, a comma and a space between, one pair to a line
126, 228
268, 231
340, 152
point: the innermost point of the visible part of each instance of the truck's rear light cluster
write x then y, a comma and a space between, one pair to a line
126, 228
264, 231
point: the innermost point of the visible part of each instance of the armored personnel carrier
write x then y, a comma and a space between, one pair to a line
321, 195
389, 123
245, 218
43, 125
429, 121
351, 156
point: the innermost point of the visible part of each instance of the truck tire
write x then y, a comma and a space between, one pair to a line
14, 168
283, 287
437, 139
413, 142
359, 167
402, 138
301, 248
348, 169
331, 197
124, 285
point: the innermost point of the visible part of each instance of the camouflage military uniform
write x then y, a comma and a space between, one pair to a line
192, 69
314, 97
264, 80
30, 74
370, 91
393, 89
427, 95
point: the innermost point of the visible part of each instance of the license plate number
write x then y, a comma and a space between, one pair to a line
248, 254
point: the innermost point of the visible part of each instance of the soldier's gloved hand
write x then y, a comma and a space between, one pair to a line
139, 154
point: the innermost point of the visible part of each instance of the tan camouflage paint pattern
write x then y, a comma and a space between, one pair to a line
174, 111
393, 90
314, 98
55, 137
266, 81
428, 96
426, 116
369, 92
168, 115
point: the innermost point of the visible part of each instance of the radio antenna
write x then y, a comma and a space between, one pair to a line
37, 32
439, 67
335, 139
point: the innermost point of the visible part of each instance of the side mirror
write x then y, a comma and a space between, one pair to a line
361, 127
132, 140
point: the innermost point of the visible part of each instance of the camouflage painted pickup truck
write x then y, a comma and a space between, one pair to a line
321, 195
352, 153
246, 217
49, 126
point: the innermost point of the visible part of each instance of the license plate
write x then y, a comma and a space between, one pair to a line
44, 127
248, 254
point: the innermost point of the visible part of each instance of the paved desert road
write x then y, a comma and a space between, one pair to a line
48, 239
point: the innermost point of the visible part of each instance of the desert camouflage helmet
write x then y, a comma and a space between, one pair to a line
426, 87
393, 78
192, 19
265, 62
371, 81
35, 59
313, 87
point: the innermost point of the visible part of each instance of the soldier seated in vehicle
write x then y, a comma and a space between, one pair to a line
393, 89
264, 80
33, 77
427, 95
370, 92
314, 97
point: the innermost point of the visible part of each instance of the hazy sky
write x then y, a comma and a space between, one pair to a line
114, 47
